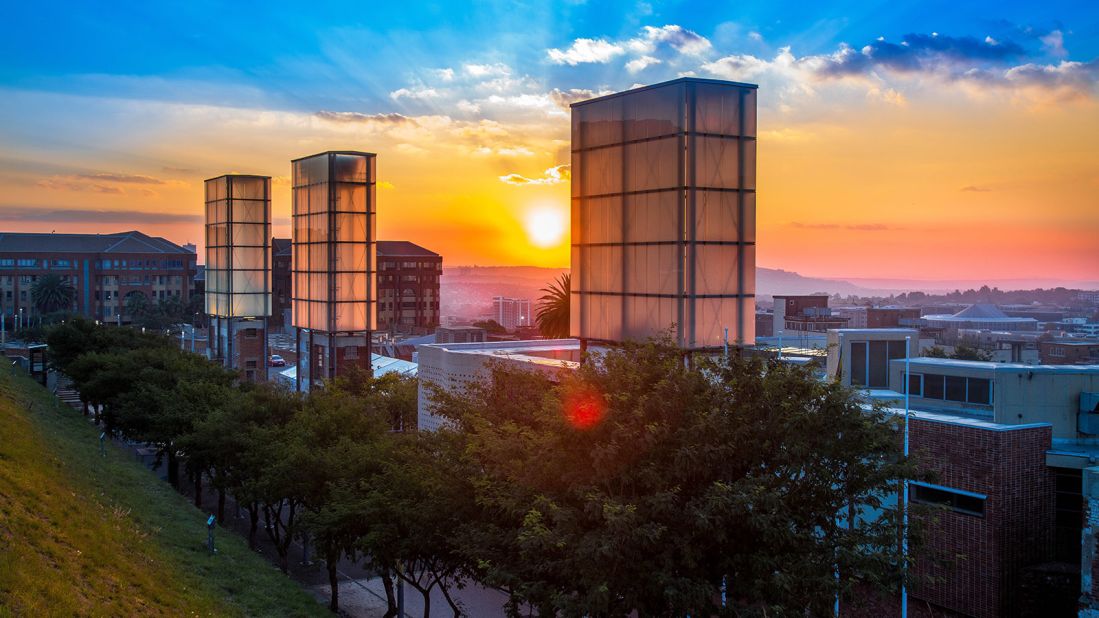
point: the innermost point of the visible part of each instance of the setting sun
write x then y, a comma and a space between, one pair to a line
546, 226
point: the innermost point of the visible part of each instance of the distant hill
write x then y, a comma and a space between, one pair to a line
467, 291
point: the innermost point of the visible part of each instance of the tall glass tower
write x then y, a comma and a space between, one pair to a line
238, 271
663, 214
333, 268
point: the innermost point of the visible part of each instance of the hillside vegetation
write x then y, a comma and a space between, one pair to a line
81, 534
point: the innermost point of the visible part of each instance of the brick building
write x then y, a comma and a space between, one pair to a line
282, 254
891, 317
104, 269
408, 287
805, 314
1068, 352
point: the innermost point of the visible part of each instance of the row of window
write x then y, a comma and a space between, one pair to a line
105, 264
963, 502
951, 388
409, 305
385, 265
408, 278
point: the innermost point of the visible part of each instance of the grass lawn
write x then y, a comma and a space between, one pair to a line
85, 535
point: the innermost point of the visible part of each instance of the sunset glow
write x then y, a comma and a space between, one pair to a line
920, 143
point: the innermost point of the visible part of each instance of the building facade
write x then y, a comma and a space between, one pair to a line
663, 214
282, 284
408, 287
805, 314
512, 313
104, 269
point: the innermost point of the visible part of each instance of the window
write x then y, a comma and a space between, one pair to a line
858, 363
964, 502
915, 384
7, 263
952, 388
62, 264
870, 361
250, 333
27, 263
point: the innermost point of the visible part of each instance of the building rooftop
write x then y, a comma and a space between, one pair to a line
962, 421
401, 248
697, 80
532, 351
928, 361
118, 243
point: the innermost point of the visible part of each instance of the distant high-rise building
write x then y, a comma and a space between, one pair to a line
511, 313
333, 263
663, 213
238, 271
282, 284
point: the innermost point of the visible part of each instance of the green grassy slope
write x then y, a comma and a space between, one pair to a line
86, 535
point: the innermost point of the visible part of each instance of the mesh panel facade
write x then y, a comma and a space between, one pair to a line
333, 242
663, 214
238, 246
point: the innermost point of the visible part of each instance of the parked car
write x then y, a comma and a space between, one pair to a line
276, 361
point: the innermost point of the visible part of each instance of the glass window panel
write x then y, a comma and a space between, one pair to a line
602, 172
717, 109
749, 112
955, 388
249, 257
858, 363
318, 228
350, 198
603, 269
350, 257
652, 165
716, 163
318, 257
647, 316
748, 253
653, 112
599, 123
351, 227
318, 316
716, 269
652, 217
250, 211
601, 220
351, 316
933, 386
604, 317
712, 317
749, 217
716, 215
249, 234
249, 188
220, 211
317, 200
318, 287
879, 365
750, 164
350, 168
651, 269
980, 391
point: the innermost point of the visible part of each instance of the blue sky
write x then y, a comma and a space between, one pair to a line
886, 129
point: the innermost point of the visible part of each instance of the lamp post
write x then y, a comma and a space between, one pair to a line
904, 490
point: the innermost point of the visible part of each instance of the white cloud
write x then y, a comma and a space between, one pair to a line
468, 106
678, 38
419, 92
445, 74
1054, 44
583, 51
755, 36
554, 175
638, 64
486, 70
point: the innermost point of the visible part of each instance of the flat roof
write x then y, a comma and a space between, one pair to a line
697, 80
238, 176
963, 421
993, 366
332, 152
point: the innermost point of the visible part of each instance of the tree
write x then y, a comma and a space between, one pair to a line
52, 293
640, 484
492, 327
553, 314
965, 352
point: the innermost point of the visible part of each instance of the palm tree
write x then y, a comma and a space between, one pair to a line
53, 293
553, 310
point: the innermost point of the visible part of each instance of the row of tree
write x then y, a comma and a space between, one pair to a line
636, 483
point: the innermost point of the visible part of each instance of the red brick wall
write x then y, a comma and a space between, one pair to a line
250, 349
980, 559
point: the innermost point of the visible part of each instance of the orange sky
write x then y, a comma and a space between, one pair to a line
930, 180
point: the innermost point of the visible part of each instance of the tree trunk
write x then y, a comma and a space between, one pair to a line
173, 468
333, 581
253, 524
198, 492
221, 504
449, 601
426, 592
390, 594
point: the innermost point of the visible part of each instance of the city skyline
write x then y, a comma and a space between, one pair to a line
895, 141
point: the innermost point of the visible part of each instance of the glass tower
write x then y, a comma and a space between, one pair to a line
663, 214
238, 269
333, 264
